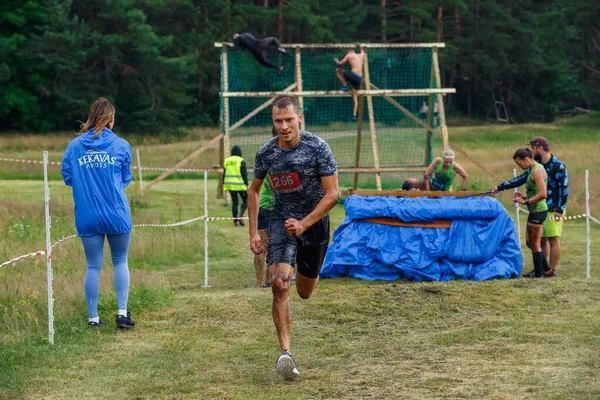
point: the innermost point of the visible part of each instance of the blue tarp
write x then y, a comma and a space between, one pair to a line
480, 244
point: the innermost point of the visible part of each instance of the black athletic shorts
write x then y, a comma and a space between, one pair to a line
537, 218
307, 251
353, 78
264, 217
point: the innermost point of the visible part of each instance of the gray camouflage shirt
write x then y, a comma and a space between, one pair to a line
295, 174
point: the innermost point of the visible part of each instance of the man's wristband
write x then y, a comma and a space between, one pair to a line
526, 202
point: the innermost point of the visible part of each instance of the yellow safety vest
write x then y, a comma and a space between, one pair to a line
233, 174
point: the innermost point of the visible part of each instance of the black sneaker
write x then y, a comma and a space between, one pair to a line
282, 50
530, 274
125, 322
93, 324
266, 285
280, 70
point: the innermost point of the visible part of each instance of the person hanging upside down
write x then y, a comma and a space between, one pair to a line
257, 47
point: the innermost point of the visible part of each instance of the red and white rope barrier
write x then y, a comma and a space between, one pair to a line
181, 223
23, 161
565, 218
34, 254
18, 160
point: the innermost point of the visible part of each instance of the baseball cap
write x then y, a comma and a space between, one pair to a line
540, 141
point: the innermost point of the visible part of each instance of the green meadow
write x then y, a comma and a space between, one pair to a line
504, 339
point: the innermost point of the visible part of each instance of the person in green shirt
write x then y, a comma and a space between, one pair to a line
264, 217
441, 172
535, 200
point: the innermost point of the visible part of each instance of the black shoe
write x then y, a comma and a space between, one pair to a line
235, 222
266, 285
279, 70
93, 324
241, 221
125, 322
530, 274
282, 50
354, 118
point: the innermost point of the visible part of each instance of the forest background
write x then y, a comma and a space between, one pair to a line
156, 60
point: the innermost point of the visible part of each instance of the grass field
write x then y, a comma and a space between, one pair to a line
514, 339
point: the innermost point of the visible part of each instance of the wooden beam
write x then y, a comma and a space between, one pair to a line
339, 93
411, 193
361, 109
181, 163
352, 45
439, 223
440, 100
372, 122
299, 86
225, 143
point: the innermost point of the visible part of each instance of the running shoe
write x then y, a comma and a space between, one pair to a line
279, 70
345, 88
125, 322
266, 285
286, 366
282, 50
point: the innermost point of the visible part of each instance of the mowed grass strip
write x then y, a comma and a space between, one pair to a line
353, 339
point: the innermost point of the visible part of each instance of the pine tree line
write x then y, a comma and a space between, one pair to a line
156, 61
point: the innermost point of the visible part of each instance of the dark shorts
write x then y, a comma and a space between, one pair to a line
537, 218
306, 251
353, 78
264, 217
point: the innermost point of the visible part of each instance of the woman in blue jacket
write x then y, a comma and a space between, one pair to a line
96, 164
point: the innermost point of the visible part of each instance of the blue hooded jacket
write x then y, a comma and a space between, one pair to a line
98, 171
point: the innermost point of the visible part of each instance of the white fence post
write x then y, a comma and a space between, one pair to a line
587, 225
48, 252
205, 230
516, 205
139, 163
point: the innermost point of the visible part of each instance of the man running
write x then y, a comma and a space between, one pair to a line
257, 47
304, 177
354, 76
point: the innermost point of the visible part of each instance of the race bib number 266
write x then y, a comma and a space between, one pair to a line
286, 182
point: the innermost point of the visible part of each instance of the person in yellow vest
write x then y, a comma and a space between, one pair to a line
235, 180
